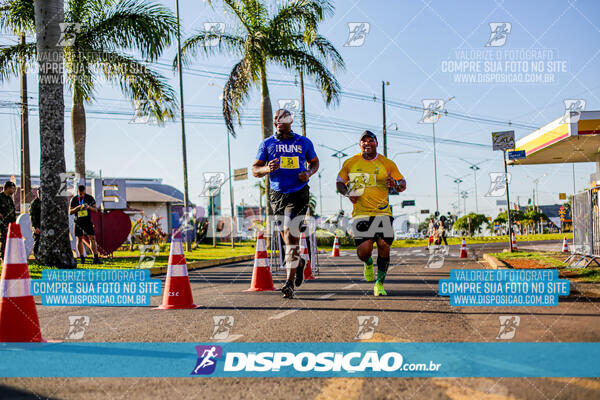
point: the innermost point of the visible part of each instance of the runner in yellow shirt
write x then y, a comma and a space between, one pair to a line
367, 179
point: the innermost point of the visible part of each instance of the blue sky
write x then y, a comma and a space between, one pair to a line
406, 45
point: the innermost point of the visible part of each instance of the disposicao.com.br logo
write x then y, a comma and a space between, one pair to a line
307, 362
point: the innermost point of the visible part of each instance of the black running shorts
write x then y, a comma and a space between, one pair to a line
373, 228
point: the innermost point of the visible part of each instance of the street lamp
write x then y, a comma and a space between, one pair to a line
229, 171
536, 194
407, 152
464, 195
458, 181
436, 112
475, 168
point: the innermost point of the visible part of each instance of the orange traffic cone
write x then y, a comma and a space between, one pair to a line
514, 243
18, 315
463, 249
261, 275
335, 252
178, 292
308, 274
565, 248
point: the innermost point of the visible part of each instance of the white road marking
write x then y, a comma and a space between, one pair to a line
326, 296
350, 286
284, 313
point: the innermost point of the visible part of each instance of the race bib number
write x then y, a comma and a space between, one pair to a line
82, 213
289, 163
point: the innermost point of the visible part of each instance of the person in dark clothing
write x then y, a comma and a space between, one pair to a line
443, 226
81, 206
35, 213
8, 212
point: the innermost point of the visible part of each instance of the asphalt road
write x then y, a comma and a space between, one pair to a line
325, 310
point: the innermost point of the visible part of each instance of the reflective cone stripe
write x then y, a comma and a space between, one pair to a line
18, 314
15, 288
514, 243
565, 248
463, 249
177, 293
261, 273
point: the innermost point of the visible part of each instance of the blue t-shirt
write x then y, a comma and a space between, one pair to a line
292, 153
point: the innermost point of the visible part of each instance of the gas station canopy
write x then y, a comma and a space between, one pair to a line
574, 137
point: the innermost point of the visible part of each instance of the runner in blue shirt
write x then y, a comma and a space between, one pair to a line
285, 157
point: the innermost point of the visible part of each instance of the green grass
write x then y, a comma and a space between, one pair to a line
544, 258
129, 259
554, 260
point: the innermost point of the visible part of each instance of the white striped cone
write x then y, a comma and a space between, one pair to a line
178, 292
308, 274
463, 249
565, 247
261, 273
514, 243
335, 252
18, 315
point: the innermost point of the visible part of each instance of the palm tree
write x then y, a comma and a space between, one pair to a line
55, 248
287, 38
102, 36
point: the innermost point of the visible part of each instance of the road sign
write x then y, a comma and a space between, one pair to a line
424, 211
500, 202
562, 196
406, 203
516, 155
240, 174
503, 140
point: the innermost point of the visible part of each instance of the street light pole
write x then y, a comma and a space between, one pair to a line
339, 154
302, 111
181, 108
383, 83
233, 229
320, 193
437, 204
25, 167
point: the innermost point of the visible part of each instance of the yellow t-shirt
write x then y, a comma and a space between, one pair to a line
366, 179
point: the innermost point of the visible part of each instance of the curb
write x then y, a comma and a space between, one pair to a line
582, 288
493, 262
204, 264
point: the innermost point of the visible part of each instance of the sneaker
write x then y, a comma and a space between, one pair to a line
300, 273
378, 290
368, 272
82, 259
96, 261
288, 291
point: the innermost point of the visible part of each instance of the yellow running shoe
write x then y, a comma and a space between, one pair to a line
378, 290
368, 271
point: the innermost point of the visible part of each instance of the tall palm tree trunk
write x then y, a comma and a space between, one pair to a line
266, 123
78, 128
55, 248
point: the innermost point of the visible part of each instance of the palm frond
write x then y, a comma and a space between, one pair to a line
297, 15
236, 92
138, 82
12, 56
313, 68
144, 26
17, 16
79, 74
210, 43
323, 48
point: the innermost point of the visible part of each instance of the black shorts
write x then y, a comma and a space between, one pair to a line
84, 227
373, 228
290, 205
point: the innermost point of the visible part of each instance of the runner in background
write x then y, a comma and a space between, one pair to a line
81, 206
284, 157
367, 179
